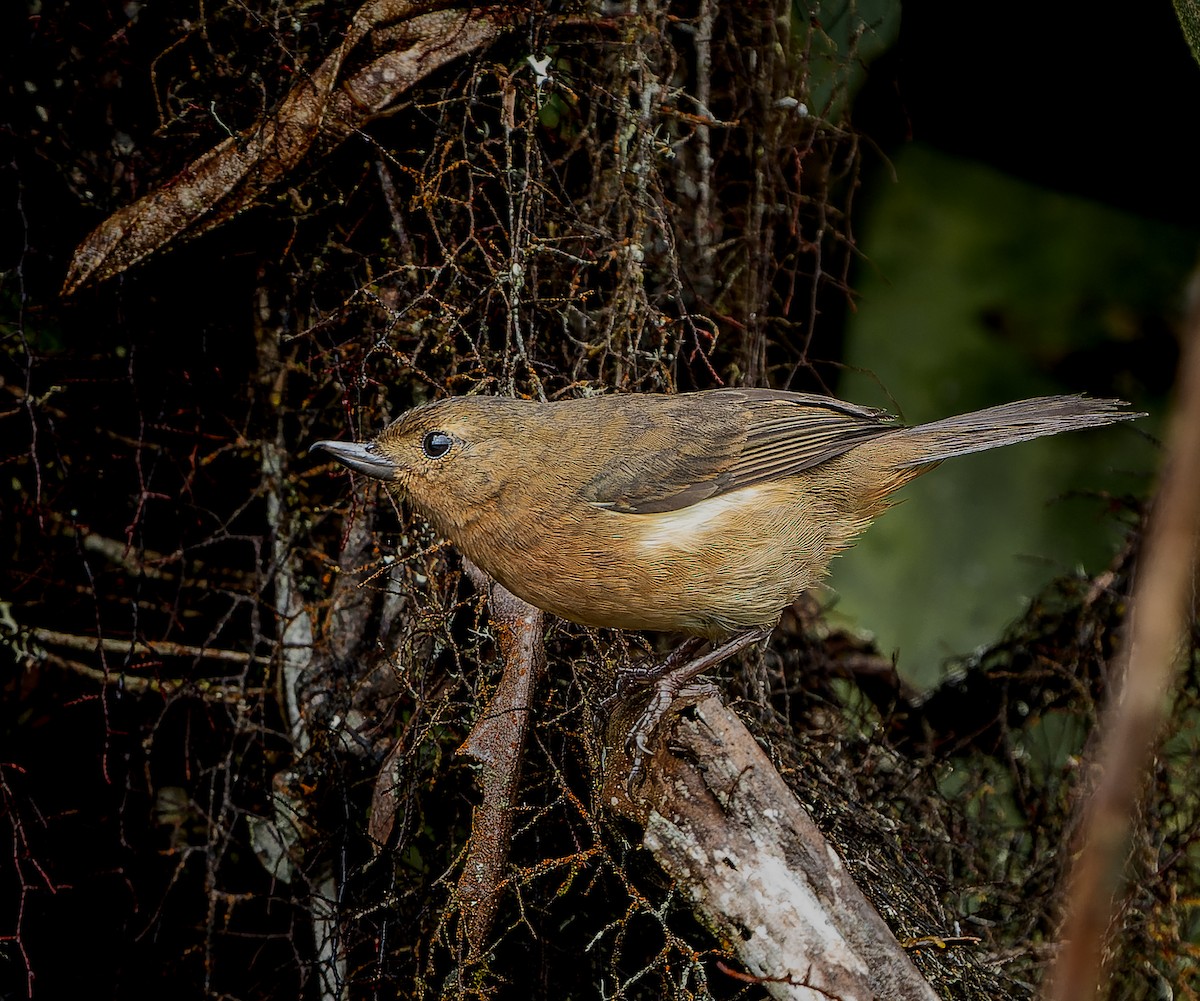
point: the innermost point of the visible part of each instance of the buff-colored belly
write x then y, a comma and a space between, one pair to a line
726, 563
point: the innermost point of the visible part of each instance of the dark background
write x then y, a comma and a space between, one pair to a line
139, 376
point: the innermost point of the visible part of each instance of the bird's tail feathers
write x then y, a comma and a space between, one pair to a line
1008, 424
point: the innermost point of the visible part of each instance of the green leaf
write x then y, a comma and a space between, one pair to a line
1188, 12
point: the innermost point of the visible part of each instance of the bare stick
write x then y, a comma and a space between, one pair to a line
158, 648
1161, 608
497, 741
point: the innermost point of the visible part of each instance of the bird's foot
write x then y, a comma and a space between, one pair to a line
668, 678
650, 670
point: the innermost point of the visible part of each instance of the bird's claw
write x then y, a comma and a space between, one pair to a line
668, 679
637, 743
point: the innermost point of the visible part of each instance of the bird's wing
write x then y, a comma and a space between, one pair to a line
706, 444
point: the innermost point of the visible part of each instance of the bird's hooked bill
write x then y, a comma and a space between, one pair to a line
362, 458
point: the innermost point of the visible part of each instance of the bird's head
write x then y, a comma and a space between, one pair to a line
450, 458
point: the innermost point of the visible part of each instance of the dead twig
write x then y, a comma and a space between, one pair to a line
158, 649
1162, 601
497, 741
325, 109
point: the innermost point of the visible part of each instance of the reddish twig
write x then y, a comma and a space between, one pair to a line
1161, 607
497, 741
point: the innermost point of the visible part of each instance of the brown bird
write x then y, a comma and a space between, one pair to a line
706, 513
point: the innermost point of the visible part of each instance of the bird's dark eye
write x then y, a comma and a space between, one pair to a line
436, 444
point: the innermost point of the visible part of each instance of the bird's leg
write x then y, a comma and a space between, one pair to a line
668, 678
649, 669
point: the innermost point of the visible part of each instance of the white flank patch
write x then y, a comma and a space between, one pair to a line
680, 529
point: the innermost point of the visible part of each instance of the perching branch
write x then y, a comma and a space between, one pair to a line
722, 822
